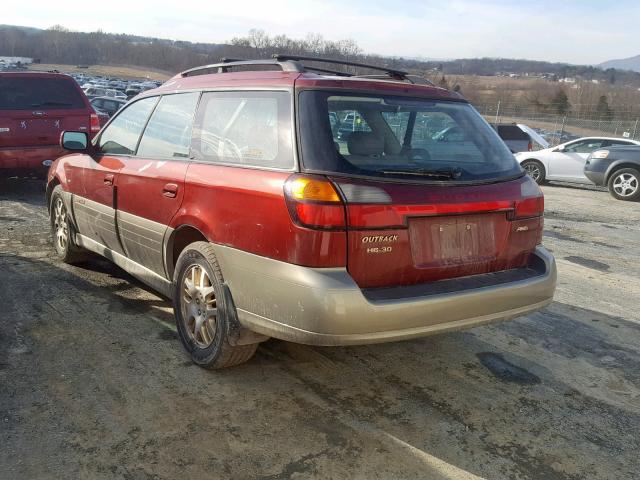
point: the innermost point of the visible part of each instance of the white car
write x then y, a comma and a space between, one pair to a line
566, 161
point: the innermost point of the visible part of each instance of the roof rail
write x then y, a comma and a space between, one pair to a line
306, 67
227, 63
392, 72
291, 63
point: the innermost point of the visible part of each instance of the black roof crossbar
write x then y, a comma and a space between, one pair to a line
392, 72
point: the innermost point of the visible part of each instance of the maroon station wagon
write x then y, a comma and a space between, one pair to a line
272, 198
35, 108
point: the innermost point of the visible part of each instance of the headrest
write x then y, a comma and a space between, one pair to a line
365, 143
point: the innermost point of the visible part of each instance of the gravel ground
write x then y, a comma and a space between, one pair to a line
95, 384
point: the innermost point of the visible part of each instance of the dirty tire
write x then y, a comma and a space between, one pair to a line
624, 184
63, 230
197, 273
535, 170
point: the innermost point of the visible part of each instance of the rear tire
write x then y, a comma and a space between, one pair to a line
535, 170
200, 308
624, 184
63, 230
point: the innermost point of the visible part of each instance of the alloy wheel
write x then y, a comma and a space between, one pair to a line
533, 170
199, 309
625, 184
60, 225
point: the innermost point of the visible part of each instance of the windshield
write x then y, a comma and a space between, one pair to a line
399, 137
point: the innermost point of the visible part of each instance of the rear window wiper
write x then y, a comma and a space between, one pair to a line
448, 173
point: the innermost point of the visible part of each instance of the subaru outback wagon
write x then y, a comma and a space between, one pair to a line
227, 190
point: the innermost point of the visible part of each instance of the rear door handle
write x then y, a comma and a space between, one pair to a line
108, 179
170, 190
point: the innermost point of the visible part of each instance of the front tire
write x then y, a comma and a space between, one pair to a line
200, 310
624, 184
63, 231
535, 170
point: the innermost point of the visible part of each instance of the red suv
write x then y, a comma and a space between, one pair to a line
305, 205
35, 108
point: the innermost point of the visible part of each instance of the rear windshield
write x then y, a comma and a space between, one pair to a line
512, 132
399, 137
23, 93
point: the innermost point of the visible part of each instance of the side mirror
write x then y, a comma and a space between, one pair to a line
560, 148
74, 141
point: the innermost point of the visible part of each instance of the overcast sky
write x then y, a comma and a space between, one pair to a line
573, 31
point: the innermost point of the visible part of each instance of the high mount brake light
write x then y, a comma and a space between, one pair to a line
313, 202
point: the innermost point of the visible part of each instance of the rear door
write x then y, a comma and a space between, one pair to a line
150, 185
35, 109
94, 208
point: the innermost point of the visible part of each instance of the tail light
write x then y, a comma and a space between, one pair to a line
94, 123
314, 203
531, 203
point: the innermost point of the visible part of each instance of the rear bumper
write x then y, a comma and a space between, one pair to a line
28, 158
324, 306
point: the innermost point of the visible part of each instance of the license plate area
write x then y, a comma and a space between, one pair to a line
457, 240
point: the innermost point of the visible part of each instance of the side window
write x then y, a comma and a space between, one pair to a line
244, 128
168, 133
585, 146
122, 134
614, 143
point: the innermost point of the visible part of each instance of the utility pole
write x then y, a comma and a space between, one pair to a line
497, 113
635, 129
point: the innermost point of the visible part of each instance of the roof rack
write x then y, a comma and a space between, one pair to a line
392, 72
306, 68
413, 79
292, 63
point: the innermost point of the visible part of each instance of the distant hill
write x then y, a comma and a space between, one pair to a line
58, 45
631, 63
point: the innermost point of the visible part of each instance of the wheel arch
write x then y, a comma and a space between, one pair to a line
620, 164
53, 183
178, 240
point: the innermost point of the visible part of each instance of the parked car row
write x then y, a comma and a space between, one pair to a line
568, 162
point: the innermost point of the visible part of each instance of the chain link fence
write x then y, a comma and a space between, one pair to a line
558, 128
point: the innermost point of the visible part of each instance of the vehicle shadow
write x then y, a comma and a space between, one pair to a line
25, 190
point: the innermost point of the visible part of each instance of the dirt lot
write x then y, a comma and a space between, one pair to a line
94, 383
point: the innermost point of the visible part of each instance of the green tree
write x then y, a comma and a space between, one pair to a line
603, 110
560, 102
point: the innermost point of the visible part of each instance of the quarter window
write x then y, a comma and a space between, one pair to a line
122, 135
168, 133
244, 128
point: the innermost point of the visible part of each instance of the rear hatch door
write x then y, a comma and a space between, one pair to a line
35, 110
